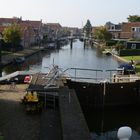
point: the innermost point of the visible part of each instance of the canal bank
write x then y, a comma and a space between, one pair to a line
8, 59
120, 58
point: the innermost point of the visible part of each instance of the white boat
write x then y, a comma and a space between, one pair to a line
51, 46
106, 52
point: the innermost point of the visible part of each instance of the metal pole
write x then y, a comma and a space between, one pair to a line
45, 100
96, 76
69, 97
54, 100
75, 73
104, 92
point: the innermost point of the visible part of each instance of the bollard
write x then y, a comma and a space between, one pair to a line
124, 133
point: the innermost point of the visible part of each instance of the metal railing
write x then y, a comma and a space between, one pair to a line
75, 77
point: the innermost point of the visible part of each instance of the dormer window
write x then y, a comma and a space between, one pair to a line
112, 27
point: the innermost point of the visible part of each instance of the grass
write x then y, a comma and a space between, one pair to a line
134, 58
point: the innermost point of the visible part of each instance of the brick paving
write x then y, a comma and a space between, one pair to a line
73, 123
15, 124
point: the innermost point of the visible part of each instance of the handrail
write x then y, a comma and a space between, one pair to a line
83, 69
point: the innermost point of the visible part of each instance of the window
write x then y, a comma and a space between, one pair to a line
133, 46
112, 27
136, 29
133, 29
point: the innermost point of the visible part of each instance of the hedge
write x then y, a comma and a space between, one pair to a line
129, 52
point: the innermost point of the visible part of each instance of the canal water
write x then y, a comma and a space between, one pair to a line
75, 57
103, 124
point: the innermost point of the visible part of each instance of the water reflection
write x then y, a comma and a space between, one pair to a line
102, 124
26, 65
66, 57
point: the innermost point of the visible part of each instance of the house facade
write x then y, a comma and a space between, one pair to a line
31, 31
130, 30
52, 30
114, 29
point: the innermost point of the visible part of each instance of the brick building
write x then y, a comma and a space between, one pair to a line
130, 30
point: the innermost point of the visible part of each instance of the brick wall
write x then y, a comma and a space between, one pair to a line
127, 32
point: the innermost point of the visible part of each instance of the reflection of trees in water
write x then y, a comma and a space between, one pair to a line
23, 66
11, 68
16, 67
99, 53
37, 58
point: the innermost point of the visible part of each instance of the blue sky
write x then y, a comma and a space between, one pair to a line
72, 13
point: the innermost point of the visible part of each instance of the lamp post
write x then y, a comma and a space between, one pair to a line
103, 103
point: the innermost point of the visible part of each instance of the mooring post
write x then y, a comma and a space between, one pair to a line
84, 43
45, 101
0, 60
69, 97
71, 43
124, 133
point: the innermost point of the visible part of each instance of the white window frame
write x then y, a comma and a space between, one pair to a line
133, 46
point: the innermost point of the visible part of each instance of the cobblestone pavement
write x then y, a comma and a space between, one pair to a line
15, 124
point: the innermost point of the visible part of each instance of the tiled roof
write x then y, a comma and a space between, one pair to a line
35, 24
26, 26
132, 23
9, 20
54, 25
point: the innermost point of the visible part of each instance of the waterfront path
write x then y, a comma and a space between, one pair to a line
121, 59
15, 124
73, 123
7, 59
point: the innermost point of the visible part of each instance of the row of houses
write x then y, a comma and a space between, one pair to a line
125, 30
33, 32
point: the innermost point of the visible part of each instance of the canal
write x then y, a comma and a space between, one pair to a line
75, 57
103, 124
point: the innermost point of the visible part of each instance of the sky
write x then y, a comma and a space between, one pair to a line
72, 13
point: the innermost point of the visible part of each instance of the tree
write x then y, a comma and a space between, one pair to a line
12, 35
101, 34
133, 18
45, 39
119, 46
88, 29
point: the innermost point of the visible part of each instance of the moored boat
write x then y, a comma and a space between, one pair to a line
19, 60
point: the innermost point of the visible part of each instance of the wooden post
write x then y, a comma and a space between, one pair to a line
71, 43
